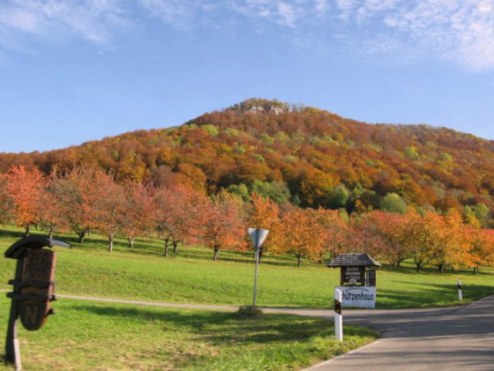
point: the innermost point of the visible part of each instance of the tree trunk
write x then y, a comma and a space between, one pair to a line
50, 232
440, 268
27, 229
216, 253
299, 260
131, 242
475, 270
175, 244
419, 267
81, 235
110, 242
167, 240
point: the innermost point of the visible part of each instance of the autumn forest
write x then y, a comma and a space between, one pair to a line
321, 183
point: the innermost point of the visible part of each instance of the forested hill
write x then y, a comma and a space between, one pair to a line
303, 155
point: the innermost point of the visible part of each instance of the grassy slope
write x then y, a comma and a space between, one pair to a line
192, 276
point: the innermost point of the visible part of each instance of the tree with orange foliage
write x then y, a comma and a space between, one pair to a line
454, 244
334, 229
222, 223
263, 213
302, 235
25, 188
425, 237
482, 248
316, 186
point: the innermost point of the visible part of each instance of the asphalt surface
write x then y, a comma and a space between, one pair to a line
455, 338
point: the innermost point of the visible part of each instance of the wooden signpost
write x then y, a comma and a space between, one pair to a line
37, 288
33, 289
357, 279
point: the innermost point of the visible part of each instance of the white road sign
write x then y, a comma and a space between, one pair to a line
358, 296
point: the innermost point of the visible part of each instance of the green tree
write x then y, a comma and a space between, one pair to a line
240, 190
339, 197
393, 203
276, 191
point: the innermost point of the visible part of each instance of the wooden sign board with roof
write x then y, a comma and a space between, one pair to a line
357, 279
356, 269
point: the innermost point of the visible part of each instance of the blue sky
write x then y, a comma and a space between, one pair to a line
79, 70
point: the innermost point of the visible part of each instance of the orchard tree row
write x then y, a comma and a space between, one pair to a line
85, 199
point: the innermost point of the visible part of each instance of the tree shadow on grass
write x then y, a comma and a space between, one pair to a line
205, 254
225, 328
11, 234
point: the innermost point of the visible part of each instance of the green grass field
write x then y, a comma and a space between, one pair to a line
192, 277
86, 335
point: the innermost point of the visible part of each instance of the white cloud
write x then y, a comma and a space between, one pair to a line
93, 20
287, 13
180, 13
321, 6
461, 31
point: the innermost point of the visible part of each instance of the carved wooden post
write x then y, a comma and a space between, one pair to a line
33, 289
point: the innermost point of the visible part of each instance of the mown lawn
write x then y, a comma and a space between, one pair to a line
89, 336
192, 277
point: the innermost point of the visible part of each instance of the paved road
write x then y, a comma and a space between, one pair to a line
454, 338
457, 338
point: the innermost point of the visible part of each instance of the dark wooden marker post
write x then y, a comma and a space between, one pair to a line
33, 289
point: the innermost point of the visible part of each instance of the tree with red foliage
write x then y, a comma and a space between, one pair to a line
162, 203
137, 213
5, 201
384, 234
222, 223
177, 210
105, 205
50, 209
71, 189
